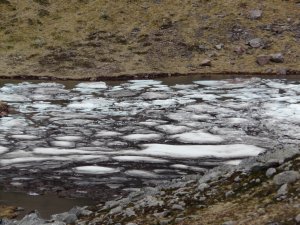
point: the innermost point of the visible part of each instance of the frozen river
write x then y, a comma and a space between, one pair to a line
94, 138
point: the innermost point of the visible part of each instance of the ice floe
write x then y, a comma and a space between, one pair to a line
141, 173
172, 129
198, 151
100, 170
142, 137
198, 137
69, 138
139, 159
24, 137
3, 149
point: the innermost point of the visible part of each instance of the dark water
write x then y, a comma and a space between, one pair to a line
46, 204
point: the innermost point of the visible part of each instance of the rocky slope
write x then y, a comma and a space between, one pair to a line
91, 39
261, 190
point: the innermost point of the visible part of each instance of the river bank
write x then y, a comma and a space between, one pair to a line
84, 40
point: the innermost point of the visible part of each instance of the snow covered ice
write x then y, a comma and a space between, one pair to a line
141, 129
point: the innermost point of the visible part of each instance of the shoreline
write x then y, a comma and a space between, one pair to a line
155, 75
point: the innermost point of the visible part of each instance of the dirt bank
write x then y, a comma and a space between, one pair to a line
101, 39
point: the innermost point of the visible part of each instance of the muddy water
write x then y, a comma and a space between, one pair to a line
98, 140
47, 205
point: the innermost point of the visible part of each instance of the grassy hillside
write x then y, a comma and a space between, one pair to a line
92, 38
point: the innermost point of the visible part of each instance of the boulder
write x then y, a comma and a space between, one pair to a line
277, 58
286, 177
263, 60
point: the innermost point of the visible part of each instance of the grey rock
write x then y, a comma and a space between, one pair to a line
202, 187
229, 194
165, 221
263, 60
219, 46
255, 14
131, 224
283, 190
65, 217
149, 201
229, 223
237, 179
177, 207
282, 71
80, 211
256, 43
129, 212
277, 58
206, 62
178, 220
270, 172
297, 218
286, 177
31, 219
261, 211
116, 210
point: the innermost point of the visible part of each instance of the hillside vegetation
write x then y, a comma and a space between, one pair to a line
104, 38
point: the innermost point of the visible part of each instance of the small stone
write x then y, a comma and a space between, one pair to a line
239, 50
286, 177
229, 223
177, 207
165, 222
178, 220
261, 211
255, 14
297, 218
202, 187
256, 43
270, 172
131, 224
282, 71
206, 62
219, 46
283, 190
263, 60
116, 210
229, 194
277, 58
237, 179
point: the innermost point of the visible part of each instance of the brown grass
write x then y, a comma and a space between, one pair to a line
166, 39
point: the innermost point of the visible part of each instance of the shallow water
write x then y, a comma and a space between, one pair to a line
98, 139
46, 204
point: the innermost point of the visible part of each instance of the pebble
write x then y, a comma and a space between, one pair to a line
270, 172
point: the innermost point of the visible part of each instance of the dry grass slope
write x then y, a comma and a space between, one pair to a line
94, 38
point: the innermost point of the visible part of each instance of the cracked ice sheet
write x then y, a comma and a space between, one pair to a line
197, 151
